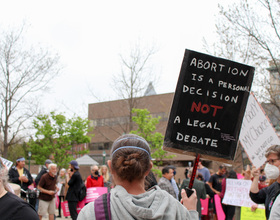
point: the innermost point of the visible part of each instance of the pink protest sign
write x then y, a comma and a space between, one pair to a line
204, 206
94, 192
65, 207
219, 210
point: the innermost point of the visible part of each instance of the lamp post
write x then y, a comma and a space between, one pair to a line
29, 157
104, 156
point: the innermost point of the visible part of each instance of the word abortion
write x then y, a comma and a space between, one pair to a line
214, 67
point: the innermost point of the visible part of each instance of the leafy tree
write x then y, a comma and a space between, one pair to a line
57, 135
24, 71
146, 128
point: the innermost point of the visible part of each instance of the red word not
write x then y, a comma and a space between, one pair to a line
205, 108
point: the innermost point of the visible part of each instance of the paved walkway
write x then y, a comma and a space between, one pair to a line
62, 218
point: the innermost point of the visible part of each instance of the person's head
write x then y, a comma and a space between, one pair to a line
262, 179
191, 172
222, 170
52, 169
272, 165
73, 165
62, 172
20, 162
173, 168
94, 171
150, 180
130, 158
200, 164
103, 170
47, 162
200, 177
167, 173
232, 174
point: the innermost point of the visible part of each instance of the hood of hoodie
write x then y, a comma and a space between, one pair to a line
149, 205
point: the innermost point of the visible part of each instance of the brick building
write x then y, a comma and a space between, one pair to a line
111, 119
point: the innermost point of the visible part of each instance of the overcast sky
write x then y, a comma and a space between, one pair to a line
90, 35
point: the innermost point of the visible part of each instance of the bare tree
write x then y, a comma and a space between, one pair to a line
248, 32
134, 77
24, 71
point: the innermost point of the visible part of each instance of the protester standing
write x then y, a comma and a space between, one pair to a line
95, 179
204, 171
130, 163
104, 172
266, 195
199, 187
38, 177
42, 171
61, 179
215, 183
48, 188
173, 181
165, 181
74, 184
20, 175
229, 210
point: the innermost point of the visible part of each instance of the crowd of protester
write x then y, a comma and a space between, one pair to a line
133, 189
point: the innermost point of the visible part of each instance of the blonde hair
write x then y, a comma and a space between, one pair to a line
106, 176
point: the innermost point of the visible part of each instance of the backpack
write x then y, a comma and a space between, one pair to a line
102, 207
82, 192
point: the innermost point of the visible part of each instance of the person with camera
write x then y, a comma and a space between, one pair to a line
95, 179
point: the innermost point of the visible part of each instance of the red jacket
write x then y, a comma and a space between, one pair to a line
92, 182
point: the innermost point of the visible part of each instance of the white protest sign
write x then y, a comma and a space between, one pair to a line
237, 193
257, 133
6, 162
59, 186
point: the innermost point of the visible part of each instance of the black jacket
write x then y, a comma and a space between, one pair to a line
74, 186
42, 172
13, 177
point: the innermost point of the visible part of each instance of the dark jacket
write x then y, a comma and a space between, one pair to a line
74, 185
199, 186
13, 177
42, 172
265, 195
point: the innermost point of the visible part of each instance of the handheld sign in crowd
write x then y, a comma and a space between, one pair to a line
94, 192
257, 133
208, 106
237, 193
6, 162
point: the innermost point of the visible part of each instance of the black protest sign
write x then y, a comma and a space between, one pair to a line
208, 106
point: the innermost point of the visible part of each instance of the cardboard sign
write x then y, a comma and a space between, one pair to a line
208, 106
237, 193
257, 133
94, 192
247, 214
